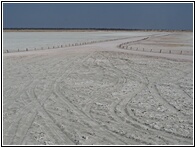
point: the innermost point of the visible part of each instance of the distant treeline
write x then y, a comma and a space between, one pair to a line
88, 29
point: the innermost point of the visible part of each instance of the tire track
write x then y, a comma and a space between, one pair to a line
23, 112
83, 114
50, 122
97, 97
154, 93
113, 110
125, 102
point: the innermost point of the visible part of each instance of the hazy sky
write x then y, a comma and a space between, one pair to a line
98, 15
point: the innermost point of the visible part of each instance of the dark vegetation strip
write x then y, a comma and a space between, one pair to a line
84, 29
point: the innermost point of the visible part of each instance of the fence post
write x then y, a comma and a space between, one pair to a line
160, 50
18, 50
169, 51
7, 51
26, 49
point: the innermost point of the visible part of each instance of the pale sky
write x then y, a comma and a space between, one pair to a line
99, 15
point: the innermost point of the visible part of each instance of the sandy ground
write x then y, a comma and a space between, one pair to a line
100, 94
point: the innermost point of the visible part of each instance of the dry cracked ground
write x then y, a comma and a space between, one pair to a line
97, 95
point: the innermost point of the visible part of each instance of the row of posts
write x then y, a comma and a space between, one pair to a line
126, 47
70, 45
61, 46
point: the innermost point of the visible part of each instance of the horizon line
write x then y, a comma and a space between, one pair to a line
125, 29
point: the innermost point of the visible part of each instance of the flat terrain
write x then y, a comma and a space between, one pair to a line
36, 40
101, 93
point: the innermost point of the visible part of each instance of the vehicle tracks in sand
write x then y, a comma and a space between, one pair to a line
97, 127
21, 125
98, 97
117, 110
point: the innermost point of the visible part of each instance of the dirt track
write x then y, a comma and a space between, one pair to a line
97, 94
